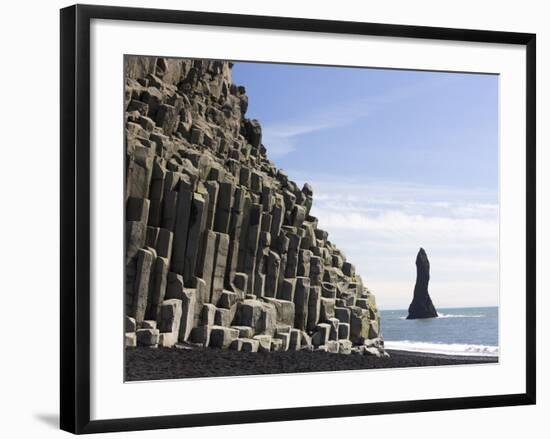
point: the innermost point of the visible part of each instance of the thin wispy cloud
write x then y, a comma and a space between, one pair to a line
396, 223
347, 195
283, 137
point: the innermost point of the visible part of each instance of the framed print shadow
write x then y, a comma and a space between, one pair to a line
274, 218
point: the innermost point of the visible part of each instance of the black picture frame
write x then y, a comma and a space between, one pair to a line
75, 217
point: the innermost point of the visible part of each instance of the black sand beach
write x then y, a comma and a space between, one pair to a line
144, 364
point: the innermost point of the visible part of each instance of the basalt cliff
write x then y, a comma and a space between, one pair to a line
221, 248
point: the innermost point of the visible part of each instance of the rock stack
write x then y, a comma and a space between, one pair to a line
421, 306
221, 248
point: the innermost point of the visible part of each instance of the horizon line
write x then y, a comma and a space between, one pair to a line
441, 307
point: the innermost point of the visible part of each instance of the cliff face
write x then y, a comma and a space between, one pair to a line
221, 249
421, 306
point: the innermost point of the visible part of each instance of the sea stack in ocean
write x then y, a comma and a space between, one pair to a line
421, 306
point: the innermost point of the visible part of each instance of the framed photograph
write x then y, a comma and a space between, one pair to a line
274, 218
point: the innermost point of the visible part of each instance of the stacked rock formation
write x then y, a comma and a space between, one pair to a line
421, 306
221, 248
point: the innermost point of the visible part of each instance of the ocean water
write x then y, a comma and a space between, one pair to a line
457, 331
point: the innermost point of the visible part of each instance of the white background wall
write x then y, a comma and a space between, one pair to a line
29, 238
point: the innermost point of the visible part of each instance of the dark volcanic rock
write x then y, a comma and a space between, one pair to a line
221, 249
421, 306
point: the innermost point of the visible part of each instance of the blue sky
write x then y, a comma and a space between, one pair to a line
397, 160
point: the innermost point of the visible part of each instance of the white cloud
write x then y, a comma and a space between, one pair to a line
391, 222
380, 227
281, 137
